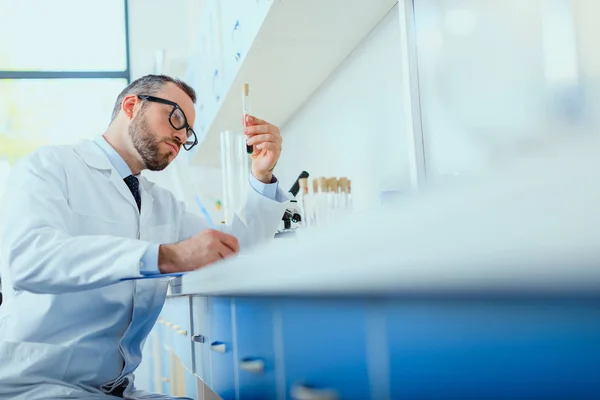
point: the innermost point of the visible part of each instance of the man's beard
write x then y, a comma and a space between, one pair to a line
146, 144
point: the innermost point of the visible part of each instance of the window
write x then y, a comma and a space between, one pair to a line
62, 65
63, 35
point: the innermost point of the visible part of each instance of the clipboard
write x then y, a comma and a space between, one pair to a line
156, 276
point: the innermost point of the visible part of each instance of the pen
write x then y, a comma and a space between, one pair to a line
205, 213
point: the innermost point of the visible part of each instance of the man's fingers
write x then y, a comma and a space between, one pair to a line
267, 146
224, 251
257, 139
258, 129
250, 119
228, 240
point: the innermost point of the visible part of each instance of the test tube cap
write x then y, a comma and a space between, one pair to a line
343, 182
322, 182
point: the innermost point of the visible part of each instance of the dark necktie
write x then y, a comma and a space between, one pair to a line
134, 185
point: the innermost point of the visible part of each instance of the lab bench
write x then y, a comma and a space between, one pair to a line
409, 346
439, 298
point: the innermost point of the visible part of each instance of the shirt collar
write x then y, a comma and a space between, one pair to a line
115, 159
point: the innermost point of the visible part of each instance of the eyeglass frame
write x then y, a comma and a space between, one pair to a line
175, 107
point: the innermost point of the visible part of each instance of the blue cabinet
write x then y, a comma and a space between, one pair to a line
404, 348
165, 370
500, 349
180, 330
162, 330
191, 385
221, 347
200, 338
324, 349
255, 361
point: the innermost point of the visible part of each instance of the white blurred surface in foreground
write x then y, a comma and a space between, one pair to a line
532, 225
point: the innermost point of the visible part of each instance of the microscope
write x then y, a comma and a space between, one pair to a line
292, 218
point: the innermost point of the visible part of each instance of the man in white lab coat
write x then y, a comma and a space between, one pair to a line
77, 221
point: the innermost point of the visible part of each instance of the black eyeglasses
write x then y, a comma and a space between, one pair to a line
177, 119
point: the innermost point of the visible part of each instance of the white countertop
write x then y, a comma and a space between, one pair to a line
531, 226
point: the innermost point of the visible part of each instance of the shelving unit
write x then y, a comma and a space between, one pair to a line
284, 49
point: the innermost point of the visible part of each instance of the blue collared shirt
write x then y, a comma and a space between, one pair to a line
149, 261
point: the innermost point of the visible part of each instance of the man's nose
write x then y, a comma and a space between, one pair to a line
181, 136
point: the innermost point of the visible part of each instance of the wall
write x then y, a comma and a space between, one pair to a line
169, 25
172, 26
352, 125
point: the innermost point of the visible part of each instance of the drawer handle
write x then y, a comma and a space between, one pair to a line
307, 392
218, 347
182, 332
161, 321
169, 324
198, 339
254, 365
164, 379
176, 327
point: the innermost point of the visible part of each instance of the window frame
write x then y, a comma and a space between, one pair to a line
100, 74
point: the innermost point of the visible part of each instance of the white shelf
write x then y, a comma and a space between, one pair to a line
297, 47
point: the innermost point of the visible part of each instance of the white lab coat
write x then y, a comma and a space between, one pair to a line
69, 233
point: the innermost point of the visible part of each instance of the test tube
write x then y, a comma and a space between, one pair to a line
343, 193
302, 200
322, 213
349, 195
246, 109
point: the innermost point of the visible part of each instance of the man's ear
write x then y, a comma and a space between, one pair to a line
128, 106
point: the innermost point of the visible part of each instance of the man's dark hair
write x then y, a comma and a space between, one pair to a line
151, 85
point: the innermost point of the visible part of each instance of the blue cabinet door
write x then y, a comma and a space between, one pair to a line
255, 361
200, 338
164, 332
165, 369
191, 385
221, 347
178, 313
324, 349
494, 349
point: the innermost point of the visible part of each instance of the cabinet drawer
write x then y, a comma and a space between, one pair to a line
182, 346
178, 324
165, 370
191, 386
221, 347
163, 330
255, 349
324, 349
500, 349
179, 312
200, 338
